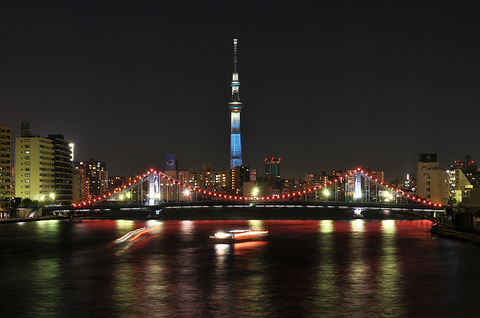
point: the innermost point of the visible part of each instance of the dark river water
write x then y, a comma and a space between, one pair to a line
319, 268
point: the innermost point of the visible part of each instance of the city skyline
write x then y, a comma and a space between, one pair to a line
331, 85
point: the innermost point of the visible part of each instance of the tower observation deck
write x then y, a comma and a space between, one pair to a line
235, 110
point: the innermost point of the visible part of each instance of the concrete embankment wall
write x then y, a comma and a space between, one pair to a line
449, 231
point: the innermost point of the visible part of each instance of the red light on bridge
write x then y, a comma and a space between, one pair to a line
263, 198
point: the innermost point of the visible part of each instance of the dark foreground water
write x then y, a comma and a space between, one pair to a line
323, 268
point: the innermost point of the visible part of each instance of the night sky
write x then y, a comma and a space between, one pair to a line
324, 84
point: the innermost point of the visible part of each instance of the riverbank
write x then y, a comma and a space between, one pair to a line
41, 218
450, 232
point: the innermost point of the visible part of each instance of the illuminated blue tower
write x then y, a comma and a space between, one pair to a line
235, 110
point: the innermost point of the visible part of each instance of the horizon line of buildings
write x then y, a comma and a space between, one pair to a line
45, 170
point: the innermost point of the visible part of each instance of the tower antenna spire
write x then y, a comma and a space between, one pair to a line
235, 55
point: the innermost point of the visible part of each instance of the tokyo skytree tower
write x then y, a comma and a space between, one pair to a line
235, 110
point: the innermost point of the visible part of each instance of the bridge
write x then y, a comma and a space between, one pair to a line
155, 190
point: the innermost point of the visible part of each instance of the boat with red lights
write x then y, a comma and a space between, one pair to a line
238, 235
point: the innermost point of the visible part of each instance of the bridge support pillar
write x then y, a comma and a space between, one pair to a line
154, 189
358, 186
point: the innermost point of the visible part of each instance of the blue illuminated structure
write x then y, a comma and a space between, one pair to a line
235, 110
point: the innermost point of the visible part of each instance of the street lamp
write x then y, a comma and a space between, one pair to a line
186, 193
326, 193
255, 191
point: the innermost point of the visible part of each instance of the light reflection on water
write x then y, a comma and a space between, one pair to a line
361, 268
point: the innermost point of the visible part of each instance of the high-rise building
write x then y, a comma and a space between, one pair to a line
469, 169
458, 182
272, 167
432, 182
235, 178
94, 178
35, 168
63, 172
43, 166
235, 110
5, 167
205, 179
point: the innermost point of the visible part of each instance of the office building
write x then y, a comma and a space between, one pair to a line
235, 178
272, 167
469, 169
94, 178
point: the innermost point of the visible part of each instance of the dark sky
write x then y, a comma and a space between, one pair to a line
324, 84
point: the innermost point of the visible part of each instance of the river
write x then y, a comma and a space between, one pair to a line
389, 267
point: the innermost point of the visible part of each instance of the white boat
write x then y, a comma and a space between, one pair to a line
357, 213
239, 235
357, 216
